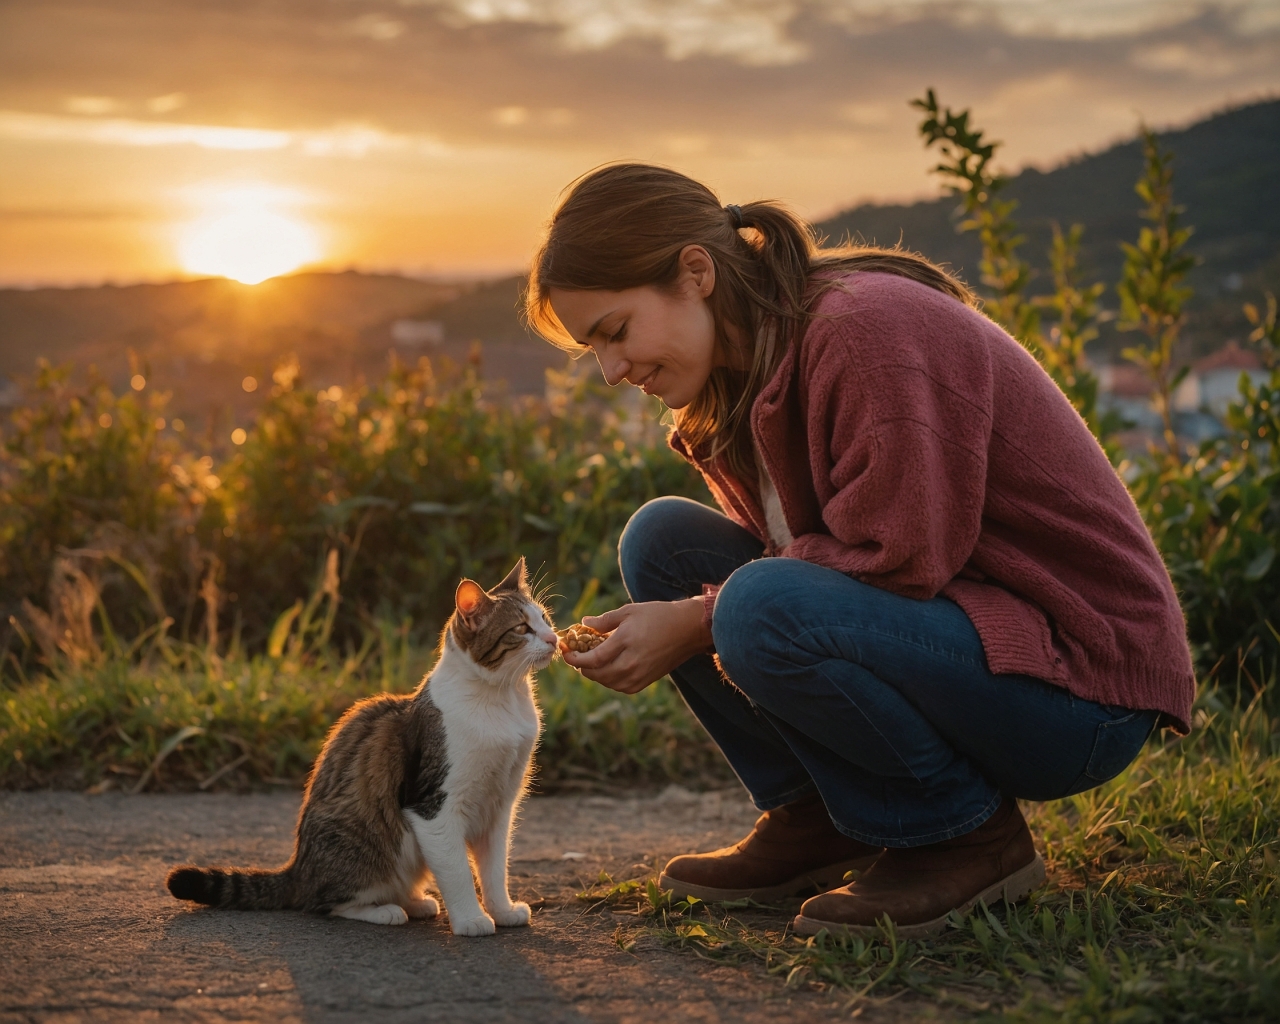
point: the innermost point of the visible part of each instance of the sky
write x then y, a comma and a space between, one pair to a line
148, 140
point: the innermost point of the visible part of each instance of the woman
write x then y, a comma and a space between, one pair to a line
929, 595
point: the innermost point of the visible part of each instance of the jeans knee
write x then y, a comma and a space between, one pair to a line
741, 621
649, 534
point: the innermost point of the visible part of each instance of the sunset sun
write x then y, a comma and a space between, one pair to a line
243, 238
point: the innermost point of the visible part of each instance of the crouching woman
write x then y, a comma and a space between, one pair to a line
929, 594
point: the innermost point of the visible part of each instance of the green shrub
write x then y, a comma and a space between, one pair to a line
412, 481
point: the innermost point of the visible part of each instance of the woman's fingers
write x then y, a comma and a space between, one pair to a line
609, 621
610, 665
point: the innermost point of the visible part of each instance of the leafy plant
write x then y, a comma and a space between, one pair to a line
966, 168
1152, 296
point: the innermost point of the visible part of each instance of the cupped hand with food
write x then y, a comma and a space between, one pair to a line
645, 642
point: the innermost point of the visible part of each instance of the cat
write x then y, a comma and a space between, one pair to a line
406, 785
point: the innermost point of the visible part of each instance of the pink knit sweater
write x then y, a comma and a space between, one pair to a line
919, 448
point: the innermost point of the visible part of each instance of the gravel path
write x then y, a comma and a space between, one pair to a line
88, 932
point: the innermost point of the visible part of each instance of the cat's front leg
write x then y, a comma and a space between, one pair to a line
492, 851
444, 848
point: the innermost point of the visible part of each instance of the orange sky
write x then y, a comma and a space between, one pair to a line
433, 135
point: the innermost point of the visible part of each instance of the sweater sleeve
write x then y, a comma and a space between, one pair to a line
898, 418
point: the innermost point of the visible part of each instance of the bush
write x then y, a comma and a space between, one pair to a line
412, 481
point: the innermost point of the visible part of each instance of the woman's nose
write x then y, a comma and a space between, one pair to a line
615, 369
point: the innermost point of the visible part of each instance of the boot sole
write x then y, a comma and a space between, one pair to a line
1011, 889
824, 878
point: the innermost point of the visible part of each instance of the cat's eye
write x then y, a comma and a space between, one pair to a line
522, 629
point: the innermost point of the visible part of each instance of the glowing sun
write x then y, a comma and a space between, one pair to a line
245, 240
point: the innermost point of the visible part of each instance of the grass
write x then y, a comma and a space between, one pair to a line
1160, 904
180, 717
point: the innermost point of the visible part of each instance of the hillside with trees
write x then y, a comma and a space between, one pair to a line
1227, 181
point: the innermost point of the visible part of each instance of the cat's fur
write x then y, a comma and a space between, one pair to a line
406, 785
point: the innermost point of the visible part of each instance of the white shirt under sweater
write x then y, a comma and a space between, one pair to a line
773, 517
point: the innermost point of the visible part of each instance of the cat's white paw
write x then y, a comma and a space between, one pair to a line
517, 917
476, 926
423, 908
387, 913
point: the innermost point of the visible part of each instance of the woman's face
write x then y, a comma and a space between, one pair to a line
661, 340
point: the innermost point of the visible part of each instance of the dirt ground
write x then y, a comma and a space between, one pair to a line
88, 932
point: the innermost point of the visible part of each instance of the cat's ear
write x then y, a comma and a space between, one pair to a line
471, 599
517, 578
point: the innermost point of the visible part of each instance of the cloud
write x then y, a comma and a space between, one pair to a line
167, 103
752, 31
91, 106
760, 32
17, 125
377, 27
1205, 62
350, 140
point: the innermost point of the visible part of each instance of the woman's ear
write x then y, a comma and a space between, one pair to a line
698, 269
470, 599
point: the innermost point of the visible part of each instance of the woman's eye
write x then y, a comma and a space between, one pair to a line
620, 334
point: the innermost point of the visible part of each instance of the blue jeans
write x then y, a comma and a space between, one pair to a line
882, 703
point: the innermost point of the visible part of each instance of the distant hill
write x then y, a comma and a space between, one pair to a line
1226, 175
200, 339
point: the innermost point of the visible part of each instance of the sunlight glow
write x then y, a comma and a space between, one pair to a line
244, 239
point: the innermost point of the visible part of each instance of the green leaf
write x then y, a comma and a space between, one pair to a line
1260, 564
541, 523
439, 508
280, 631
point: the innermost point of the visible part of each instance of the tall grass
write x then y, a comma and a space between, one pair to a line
169, 714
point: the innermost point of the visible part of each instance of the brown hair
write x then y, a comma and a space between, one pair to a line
624, 226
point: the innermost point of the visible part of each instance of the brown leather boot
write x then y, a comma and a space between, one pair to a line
918, 887
792, 848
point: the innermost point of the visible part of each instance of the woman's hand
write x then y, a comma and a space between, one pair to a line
646, 642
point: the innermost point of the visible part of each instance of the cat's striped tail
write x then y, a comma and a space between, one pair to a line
234, 888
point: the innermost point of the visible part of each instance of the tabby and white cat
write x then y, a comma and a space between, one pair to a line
407, 784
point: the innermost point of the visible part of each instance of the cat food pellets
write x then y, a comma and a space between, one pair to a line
581, 638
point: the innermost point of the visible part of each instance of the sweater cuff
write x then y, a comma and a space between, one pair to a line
709, 592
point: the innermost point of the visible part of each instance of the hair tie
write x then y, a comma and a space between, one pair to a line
735, 213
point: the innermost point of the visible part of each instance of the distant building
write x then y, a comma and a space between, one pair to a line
416, 333
1214, 381
1199, 402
